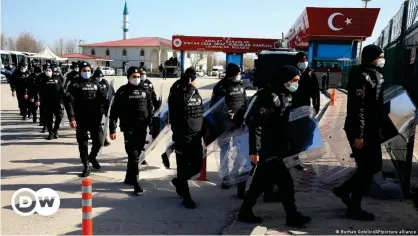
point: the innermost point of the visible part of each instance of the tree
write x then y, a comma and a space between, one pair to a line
197, 59
3, 42
70, 46
60, 46
248, 62
26, 42
11, 44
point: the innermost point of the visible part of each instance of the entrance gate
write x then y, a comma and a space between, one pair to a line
233, 47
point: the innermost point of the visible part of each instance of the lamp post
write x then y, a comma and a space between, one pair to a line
361, 42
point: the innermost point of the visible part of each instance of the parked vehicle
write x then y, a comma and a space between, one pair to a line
200, 73
108, 71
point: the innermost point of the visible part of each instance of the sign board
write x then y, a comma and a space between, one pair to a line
413, 55
221, 44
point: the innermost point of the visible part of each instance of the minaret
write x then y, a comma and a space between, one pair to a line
125, 22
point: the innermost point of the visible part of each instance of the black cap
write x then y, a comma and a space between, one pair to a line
98, 73
83, 64
370, 53
23, 64
133, 69
300, 56
38, 69
47, 66
232, 70
287, 73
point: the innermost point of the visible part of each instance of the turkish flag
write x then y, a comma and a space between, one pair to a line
342, 22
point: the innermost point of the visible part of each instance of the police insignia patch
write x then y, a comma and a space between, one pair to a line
359, 93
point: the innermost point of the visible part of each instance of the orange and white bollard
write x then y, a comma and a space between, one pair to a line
86, 206
333, 97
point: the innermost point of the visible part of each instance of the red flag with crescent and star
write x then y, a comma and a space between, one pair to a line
342, 22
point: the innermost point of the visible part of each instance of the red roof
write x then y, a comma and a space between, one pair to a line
134, 42
83, 56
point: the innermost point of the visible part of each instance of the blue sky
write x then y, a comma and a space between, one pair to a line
101, 20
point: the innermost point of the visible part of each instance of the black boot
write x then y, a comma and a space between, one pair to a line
224, 185
55, 134
135, 173
188, 202
144, 163
166, 161
343, 194
246, 215
106, 143
50, 135
94, 163
178, 190
34, 119
296, 219
241, 190
43, 129
300, 168
86, 171
24, 117
359, 214
137, 189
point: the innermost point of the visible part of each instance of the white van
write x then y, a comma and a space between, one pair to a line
5, 58
18, 57
216, 70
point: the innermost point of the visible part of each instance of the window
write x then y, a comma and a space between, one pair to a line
93, 52
142, 53
142, 64
124, 52
188, 55
107, 52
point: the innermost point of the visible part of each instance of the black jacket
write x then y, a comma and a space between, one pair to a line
85, 101
18, 81
185, 111
150, 88
365, 109
267, 123
51, 89
132, 105
308, 89
33, 87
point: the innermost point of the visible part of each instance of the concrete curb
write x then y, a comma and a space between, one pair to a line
259, 230
322, 112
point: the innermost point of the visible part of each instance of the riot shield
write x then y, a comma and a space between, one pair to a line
231, 153
216, 121
304, 137
106, 119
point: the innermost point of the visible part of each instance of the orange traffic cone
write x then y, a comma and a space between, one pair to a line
333, 97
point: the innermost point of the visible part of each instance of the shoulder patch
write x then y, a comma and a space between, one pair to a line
360, 93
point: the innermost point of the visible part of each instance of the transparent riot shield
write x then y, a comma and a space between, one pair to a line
216, 121
231, 152
106, 119
304, 137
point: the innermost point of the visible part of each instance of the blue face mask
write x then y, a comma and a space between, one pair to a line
293, 87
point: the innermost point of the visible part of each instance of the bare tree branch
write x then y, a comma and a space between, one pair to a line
26, 42
11, 43
70, 46
197, 59
60, 46
3, 42
248, 62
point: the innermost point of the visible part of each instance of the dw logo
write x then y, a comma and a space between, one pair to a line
45, 202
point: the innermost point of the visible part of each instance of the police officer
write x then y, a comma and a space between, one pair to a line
308, 89
18, 85
84, 103
33, 92
271, 114
52, 93
186, 117
232, 89
362, 126
73, 75
133, 106
104, 86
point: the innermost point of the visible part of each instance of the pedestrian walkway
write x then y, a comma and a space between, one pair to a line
314, 198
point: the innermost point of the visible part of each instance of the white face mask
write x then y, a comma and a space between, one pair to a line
134, 81
143, 78
381, 63
48, 73
85, 75
99, 79
303, 65
76, 69
237, 78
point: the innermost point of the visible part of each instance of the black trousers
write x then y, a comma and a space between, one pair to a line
189, 162
267, 174
135, 139
96, 133
22, 103
369, 162
52, 110
33, 109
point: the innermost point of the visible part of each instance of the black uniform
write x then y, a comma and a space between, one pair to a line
84, 103
72, 76
19, 85
271, 114
186, 117
308, 90
150, 89
132, 105
52, 93
365, 113
33, 92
